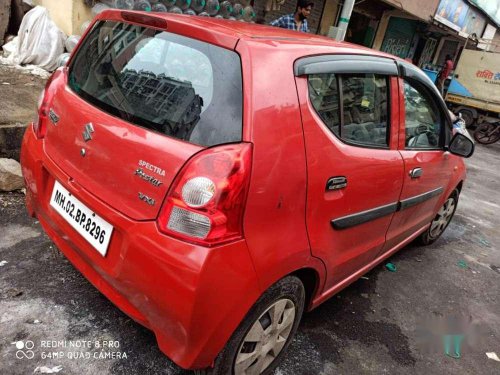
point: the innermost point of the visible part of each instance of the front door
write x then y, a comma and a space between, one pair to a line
427, 165
354, 171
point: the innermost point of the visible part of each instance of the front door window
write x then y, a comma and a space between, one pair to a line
423, 121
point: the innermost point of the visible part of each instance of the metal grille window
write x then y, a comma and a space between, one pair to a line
353, 106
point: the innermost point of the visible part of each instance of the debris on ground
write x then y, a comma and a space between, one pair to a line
455, 340
364, 278
391, 267
29, 69
12, 292
495, 268
3, 263
493, 356
462, 264
11, 177
484, 242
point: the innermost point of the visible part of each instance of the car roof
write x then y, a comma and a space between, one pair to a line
284, 37
235, 30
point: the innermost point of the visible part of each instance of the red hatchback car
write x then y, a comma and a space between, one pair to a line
214, 179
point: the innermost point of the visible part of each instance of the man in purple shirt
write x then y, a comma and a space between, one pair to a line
297, 21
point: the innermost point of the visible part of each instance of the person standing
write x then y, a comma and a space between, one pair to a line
298, 20
444, 73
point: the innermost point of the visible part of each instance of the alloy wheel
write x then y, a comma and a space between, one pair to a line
266, 338
442, 218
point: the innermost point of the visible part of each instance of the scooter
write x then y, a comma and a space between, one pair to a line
487, 133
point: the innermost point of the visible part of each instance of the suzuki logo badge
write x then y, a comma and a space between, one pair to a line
87, 133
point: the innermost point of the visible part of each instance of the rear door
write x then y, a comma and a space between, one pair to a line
137, 103
354, 171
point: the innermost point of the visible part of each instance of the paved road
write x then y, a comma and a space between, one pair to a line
375, 326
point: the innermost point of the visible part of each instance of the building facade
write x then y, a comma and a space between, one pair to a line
68, 15
423, 31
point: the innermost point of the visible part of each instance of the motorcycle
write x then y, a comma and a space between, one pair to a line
487, 133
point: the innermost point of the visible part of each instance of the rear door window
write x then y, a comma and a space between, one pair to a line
167, 83
354, 107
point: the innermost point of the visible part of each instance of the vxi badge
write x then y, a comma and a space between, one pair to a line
145, 198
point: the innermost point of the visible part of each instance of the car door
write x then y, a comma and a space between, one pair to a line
354, 170
428, 167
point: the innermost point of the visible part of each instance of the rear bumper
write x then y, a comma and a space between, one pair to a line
191, 297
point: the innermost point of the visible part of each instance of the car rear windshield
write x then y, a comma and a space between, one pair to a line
171, 84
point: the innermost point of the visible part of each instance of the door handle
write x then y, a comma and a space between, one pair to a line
416, 172
336, 183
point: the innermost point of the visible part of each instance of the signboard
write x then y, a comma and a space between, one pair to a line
490, 7
459, 16
452, 13
475, 23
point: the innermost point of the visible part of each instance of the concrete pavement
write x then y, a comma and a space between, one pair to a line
375, 326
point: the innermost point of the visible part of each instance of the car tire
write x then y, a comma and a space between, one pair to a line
441, 220
267, 320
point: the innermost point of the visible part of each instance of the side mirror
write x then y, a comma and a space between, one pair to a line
461, 145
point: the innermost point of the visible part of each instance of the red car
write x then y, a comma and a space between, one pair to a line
214, 179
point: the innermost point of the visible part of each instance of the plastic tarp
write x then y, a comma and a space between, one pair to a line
40, 40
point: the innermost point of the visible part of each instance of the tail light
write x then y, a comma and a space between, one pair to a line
206, 201
43, 108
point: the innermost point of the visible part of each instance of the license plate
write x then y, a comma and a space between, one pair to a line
87, 223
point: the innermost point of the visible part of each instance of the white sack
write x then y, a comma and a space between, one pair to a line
10, 48
40, 40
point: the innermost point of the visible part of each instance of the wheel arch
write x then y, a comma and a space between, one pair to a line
310, 278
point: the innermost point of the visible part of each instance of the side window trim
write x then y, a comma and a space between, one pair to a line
342, 64
340, 89
408, 71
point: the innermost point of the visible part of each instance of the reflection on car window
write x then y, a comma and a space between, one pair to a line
422, 119
365, 109
171, 84
324, 96
364, 106
159, 56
